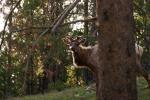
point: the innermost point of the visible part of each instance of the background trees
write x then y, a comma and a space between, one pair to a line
27, 44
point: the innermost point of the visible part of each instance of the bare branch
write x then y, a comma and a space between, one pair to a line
81, 20
10, 13
64, 15
62, 25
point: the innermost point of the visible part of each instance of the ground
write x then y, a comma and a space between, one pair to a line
80, 93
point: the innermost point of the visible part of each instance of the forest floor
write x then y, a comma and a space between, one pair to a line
81, 93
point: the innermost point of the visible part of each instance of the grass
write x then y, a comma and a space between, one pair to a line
80, 93
143, 91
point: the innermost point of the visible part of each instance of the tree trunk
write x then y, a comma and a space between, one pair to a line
9, 52
85, 16
93, 25
116, 78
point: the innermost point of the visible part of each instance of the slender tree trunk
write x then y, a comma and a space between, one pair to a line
93, 26
146, 28
28, 87
116, 78
9, 67
85, 16
85, 71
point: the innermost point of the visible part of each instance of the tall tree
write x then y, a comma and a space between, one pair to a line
116, 79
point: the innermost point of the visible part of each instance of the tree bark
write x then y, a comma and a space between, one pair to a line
116, 78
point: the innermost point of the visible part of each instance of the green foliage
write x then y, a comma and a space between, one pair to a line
73, 78
58, 86
29, 5
142, 20
2, 81
39, 71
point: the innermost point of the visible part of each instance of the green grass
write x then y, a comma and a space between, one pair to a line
69, 94
80, 93
143, 91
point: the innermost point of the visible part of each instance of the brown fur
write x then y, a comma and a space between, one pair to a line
85, 57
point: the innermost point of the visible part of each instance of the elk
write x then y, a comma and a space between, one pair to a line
46, 77
88, 56
51, 75
82, 56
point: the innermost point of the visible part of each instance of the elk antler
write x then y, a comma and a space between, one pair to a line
69, 39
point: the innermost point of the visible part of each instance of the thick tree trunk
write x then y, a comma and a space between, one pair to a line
116, 79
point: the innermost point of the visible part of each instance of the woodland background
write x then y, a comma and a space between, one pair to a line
27, 44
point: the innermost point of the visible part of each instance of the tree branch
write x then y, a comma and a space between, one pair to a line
10, 13
62, 25
61, 19
81, 20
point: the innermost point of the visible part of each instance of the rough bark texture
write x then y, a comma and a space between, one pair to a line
116, 79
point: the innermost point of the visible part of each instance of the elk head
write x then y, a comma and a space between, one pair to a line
83, 56
74, 43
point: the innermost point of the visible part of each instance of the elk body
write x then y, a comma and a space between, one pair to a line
88, 56
51, 75
85, 56
46, 77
